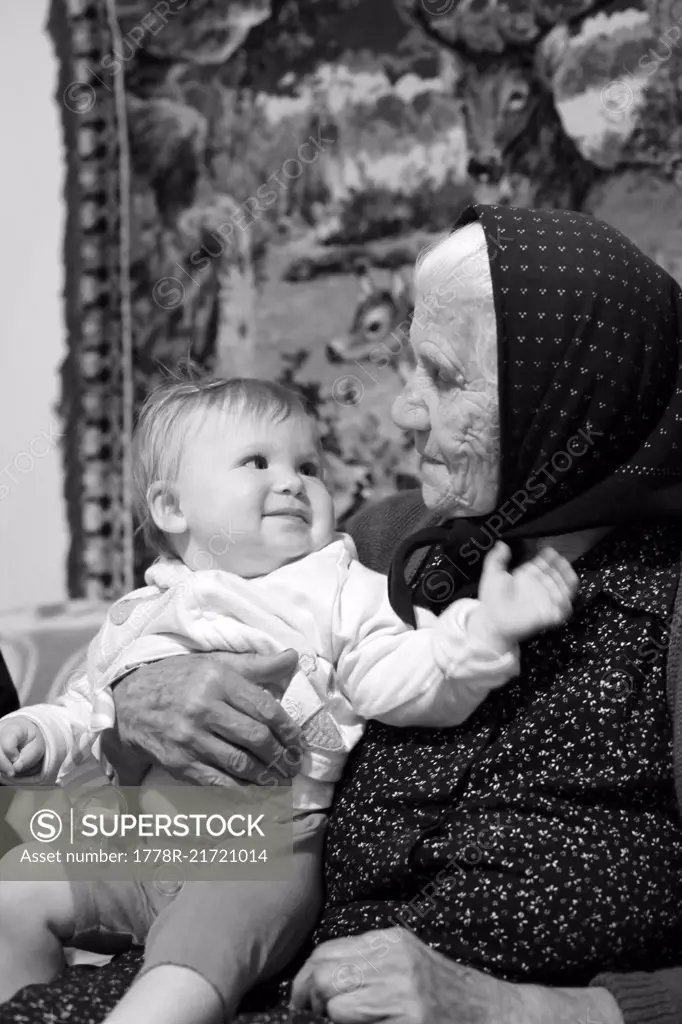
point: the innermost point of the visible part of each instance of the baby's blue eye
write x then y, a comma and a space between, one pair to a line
310, 469
257, 461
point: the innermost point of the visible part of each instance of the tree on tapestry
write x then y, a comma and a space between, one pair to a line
558, 97
201, 151
193, 258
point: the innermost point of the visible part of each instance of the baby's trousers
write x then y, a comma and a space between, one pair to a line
232, 933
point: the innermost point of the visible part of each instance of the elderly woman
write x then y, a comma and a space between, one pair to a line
526, 866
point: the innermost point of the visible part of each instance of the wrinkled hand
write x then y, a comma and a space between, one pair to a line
22, 746
535, 596
392, 977
209, 719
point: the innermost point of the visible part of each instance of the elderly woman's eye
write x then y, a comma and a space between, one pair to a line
445, 378
451, 380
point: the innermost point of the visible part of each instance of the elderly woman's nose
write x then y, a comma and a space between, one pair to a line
408, 412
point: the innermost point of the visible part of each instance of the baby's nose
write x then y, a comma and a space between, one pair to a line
289, 483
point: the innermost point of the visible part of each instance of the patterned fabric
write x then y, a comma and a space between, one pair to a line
156, 270
526, 804
97, 372
590, 385
555, 801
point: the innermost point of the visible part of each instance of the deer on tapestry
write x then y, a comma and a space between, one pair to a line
380, 327
519, 152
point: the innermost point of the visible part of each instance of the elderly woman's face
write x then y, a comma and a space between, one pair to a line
451, 402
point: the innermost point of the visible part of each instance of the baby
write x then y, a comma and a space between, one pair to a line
230, 488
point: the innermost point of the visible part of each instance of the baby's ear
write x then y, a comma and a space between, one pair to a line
164, 508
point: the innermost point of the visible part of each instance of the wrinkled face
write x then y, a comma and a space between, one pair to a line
251, 494
451, 402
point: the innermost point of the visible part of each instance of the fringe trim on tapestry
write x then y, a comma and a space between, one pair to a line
96, 375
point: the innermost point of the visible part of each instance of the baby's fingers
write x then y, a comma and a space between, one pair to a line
569, 576
30, 755
559, 569
551, 589
6, 766
497, 559
11, 736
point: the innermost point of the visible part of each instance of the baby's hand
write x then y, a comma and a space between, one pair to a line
22, 746
535, 596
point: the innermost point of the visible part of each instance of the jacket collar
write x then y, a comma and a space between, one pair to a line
636, 567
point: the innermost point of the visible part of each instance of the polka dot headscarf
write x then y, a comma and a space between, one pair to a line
590, 387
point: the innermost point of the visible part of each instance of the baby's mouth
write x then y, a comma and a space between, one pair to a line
297, 513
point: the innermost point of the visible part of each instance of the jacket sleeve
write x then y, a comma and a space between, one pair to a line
139, 628
433, 676
71, 728
646, 998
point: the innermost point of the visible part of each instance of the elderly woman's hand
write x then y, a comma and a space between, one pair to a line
393, 978
208, 718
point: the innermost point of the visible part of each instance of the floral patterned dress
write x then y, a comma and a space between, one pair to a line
539, 840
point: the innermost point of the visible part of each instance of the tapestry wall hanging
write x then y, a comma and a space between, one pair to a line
249, 183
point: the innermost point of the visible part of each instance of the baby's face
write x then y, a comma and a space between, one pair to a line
251, 492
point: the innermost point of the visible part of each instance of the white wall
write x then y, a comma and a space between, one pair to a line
33, 536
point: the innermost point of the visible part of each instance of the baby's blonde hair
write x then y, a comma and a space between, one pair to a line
165, 418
